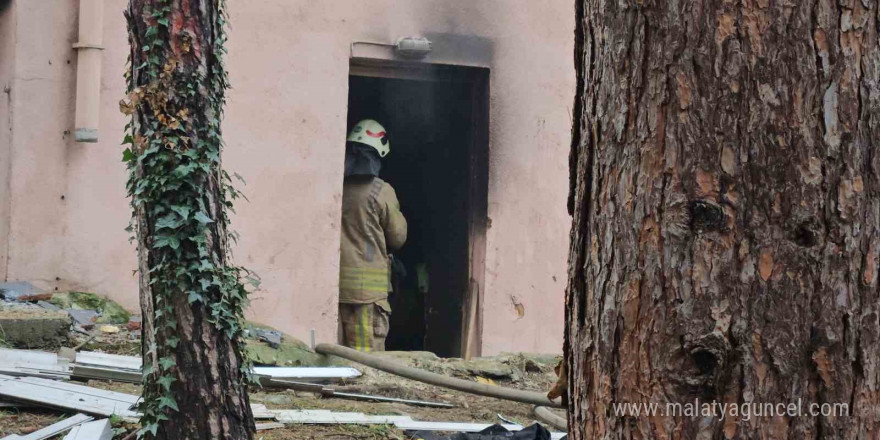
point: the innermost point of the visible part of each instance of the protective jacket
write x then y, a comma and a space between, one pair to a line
372, 224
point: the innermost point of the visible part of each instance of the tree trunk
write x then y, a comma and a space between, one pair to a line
191, 295
726, 218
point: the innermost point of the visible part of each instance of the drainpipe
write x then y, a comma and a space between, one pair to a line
88, 69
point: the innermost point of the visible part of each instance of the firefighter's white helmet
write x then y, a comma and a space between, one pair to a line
372, 133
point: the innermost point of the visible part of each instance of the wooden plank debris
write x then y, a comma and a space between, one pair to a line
97, 430
53, 429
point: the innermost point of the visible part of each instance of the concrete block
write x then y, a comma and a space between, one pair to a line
34, 328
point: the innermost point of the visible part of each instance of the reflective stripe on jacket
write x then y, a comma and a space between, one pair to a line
371, 225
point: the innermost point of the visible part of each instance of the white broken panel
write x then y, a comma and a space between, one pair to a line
33, 372
14, 357
107, 360
326, 417
68, 396
261, 412
98, 430
269, 425
54, 429
32, 363
133, 363
310, 373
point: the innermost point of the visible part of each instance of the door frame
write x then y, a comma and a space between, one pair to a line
478, 175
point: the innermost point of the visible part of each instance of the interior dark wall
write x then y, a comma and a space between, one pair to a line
430, 131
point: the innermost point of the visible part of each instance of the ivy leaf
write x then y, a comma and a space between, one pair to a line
206, 265
151, 428
202, 218
169, 222
194, 297
127, 155
183, 170
163, 21
167, 240
182, 210
172, 342
148, 369
166, 382
166, 362
168, 402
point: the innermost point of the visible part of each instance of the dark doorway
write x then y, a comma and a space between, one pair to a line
437, 122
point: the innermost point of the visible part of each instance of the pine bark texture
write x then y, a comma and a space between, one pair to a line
209, 388
726, 216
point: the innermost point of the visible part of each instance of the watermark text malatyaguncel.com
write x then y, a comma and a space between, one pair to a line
745, 410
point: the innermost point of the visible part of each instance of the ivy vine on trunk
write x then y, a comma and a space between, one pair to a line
192, 297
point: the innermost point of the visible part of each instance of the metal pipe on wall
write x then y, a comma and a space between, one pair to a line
88, 69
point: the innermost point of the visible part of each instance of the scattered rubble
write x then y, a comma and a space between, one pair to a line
99, 402
12, 290
31, 318
82, 320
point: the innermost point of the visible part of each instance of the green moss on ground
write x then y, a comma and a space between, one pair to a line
111, 312
291, 353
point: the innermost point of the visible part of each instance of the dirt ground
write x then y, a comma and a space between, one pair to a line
526, 372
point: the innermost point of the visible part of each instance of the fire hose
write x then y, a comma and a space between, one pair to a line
498, 392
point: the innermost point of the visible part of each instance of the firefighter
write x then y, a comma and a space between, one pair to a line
372, 226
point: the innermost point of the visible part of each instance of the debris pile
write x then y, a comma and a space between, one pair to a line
39, 379
300, 386
31, 318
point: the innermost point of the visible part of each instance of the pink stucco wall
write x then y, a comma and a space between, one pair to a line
7, 70
285, 129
